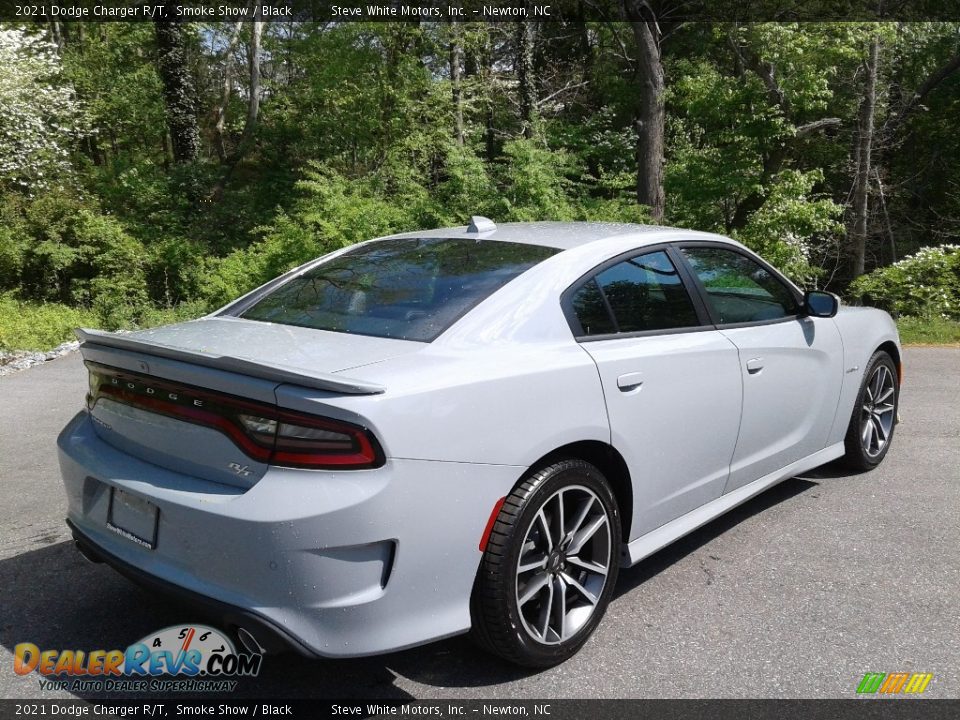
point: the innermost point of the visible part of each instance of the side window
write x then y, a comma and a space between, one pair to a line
591, 310
643, 293
738, 288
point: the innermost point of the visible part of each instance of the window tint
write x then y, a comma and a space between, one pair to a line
644, 293
738, 288
591, 310
411, 289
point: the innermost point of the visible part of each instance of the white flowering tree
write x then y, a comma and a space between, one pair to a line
39, 114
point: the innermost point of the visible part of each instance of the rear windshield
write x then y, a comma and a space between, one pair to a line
410, 289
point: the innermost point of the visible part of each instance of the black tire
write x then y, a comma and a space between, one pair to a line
500, 624
863, 451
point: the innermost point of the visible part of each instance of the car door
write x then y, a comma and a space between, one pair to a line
791, 365
671, 382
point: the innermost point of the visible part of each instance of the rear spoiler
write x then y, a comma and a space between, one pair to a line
274, 373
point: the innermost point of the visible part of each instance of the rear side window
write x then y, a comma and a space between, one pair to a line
640, 294
739, 289
410, 289
592, 311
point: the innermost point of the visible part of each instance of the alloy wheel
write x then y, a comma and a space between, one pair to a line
563, 565
878, 411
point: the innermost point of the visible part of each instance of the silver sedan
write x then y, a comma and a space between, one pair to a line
470, 429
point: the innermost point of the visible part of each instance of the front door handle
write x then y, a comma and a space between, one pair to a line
630, 381
754, 365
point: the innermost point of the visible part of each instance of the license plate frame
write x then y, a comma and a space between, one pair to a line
133, 518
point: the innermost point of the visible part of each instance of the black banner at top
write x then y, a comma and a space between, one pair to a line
477, 10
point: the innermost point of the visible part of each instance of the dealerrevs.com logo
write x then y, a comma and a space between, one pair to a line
180, 658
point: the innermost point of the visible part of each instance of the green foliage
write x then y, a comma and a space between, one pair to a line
466, 189
731, 137
533, 182
44, 325
356, 138
32, 326
63, 249
331, 212
114, 74
790, 222
719, 131
152, 316
925, 285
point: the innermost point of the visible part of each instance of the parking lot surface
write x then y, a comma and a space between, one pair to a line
797, 593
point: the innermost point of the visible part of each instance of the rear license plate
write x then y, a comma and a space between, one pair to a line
133, 518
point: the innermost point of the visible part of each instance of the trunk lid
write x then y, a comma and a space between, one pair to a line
314, 351
161, 395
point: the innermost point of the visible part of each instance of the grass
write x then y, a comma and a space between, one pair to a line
33, 326
928, 331
43, 326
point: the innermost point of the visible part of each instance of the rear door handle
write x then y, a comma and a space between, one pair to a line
754, 365
630, 381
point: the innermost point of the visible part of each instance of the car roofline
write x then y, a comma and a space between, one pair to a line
563, 235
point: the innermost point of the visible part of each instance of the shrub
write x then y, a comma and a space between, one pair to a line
31, 326
791, 223
151, 316
332, 212
924, 285
28, 325
60, 248
534, 183
465, 189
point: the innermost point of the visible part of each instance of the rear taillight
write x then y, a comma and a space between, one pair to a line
265, 433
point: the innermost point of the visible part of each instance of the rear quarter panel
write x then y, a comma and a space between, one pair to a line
505, 405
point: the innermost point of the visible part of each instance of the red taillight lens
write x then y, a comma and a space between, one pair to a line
305, 441
263, 432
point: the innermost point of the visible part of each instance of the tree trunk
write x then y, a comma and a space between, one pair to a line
253, 110
455, 83
56, 34
649, 114
490, 132
253, 103
525, 77
178, 92
863, 148
226, 90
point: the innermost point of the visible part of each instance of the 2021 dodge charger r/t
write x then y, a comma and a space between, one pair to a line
467, 429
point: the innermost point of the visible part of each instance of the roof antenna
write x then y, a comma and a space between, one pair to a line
480, 224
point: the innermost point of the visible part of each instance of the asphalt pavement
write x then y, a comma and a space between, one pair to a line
798, 593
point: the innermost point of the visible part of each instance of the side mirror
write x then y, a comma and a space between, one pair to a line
819, 303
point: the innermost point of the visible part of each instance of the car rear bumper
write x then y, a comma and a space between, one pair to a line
268, 637
333, 564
